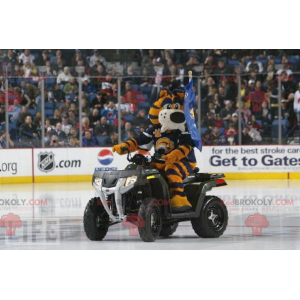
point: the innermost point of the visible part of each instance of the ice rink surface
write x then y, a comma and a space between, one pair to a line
51, 218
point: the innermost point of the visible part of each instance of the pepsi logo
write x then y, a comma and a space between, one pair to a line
105, 157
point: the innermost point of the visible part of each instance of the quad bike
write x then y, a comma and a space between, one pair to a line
140, 194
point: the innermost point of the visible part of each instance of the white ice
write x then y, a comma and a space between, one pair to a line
55, 219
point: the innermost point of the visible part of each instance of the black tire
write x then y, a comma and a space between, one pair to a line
205, 226
168, 229
95, 220
150, 217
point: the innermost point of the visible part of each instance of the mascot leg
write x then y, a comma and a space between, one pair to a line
176, 172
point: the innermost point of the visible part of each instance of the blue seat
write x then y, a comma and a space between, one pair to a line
70, 96
222, 130
128, 118
50, 81
144, 105
49, 112
49, 105
259, 122
203, 129
101, 139
146, 89
275, 128
135, 87
58, 104
233, 62
263, 61
277, 61
32, 112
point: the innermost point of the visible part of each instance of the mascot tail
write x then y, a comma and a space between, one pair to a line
189, 103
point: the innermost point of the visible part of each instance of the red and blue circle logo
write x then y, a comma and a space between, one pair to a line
105, 157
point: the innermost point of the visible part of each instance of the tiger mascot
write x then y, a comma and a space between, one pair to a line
169, 134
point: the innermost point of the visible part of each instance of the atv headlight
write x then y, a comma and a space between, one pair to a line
97, 181
130, 180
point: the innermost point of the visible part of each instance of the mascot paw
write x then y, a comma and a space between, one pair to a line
170, 158
180, 204
118, 148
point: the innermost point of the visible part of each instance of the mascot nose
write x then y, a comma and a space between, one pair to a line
177, 117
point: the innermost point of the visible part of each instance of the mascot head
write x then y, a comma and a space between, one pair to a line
168, 111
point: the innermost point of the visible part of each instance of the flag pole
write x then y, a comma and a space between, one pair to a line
190, 75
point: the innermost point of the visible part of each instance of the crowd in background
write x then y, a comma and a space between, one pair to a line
143, 73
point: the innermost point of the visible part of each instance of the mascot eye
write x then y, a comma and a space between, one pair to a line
168, 106
177, 106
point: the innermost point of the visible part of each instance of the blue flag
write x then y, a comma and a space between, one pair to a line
189, 103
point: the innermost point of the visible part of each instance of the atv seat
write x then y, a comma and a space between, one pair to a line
188, 179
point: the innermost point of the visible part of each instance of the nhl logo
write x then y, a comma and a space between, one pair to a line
46, 161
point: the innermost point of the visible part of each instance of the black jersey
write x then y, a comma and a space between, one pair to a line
168, 141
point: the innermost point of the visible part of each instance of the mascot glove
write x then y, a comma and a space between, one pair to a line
171, 158
117, 148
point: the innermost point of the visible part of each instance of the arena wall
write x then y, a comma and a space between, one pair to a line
78, 164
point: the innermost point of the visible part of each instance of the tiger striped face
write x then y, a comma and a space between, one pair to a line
168, 111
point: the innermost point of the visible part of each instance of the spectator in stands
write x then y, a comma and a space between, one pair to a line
26, 57
112, 140
226, 112
48, 130
28, 132
254, 134
85, 124
208, 120
103, 128
14, 111
218, 121
128, 133
62, 137
223, 141
206, 138
216, 133
245, 112
98, 101
130, 75
54, 59
71, 87
146, 80
56, 118
221, 70
72, 142
2, 115
73, 120
231, 134
246, 138
41, 60
141, 119
3, 140
88, 140
65, 126
234, 121
9, 59
85, 108
22, 115
94, 118
110, 112
254, 65
32, 92
58, 94
74, 133
97, 57
54, 141
64, 76
288, 114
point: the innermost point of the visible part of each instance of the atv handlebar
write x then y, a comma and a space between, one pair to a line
142, 160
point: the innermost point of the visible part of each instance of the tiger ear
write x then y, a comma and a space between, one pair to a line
179, 94
156, 107
163, 93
